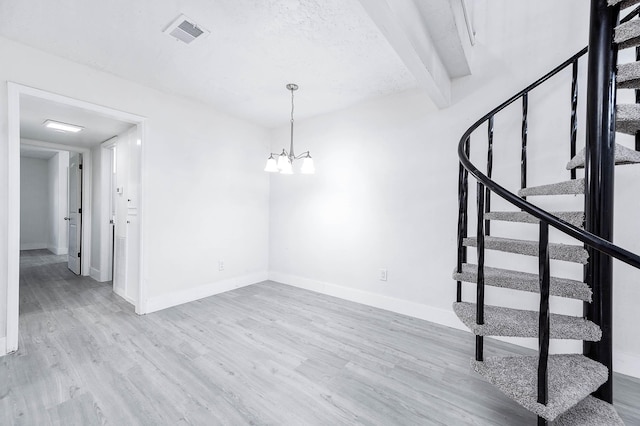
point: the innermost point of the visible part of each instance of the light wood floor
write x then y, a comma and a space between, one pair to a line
264, 354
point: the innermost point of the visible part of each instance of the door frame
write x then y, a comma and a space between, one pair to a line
106, 168
15, 90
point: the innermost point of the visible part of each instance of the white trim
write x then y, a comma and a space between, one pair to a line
54, 97
14, 91
95, 274
54, 146
142, 303
106, 177
626, 363
87, 206
33, 246
121, 293
13, 217
3, 346
58, 250
191, 294
405, 307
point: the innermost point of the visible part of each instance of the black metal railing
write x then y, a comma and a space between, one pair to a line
544, 318
574, 113
523, 137
486, 186
480, 281
464, 169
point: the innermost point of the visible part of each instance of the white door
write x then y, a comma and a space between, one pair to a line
74, 217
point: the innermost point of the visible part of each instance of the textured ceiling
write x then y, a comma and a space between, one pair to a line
331, 48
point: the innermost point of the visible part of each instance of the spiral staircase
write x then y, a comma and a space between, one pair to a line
566, 389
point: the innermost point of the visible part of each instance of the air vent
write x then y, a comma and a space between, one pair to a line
186, 30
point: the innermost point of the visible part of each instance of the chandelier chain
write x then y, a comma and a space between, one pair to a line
292, 105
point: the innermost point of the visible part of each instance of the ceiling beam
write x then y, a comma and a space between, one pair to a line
401, 23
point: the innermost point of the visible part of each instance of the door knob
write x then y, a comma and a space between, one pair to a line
67, 218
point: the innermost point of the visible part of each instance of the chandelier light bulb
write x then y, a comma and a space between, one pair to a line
272, 165
287, 168
283, 160
307, 166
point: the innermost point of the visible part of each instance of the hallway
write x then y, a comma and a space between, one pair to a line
264, 354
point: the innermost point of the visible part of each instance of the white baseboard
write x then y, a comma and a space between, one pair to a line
400, 306
120, 293
33, 246
58, 250
623, 363
98, 275
94, 273
626, 363
179, 297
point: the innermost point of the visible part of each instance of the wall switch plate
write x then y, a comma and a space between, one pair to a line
220, 265
383, 274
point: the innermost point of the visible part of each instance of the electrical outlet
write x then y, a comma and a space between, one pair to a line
220, 265
383, 274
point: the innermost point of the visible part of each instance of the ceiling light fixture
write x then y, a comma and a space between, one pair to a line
62, 127
284, 162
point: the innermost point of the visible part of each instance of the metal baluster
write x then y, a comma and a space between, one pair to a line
463, 195
480, 281
637, 101
523, 156
543, 326
574, 116
487, 203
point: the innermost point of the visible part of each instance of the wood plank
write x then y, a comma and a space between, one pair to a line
264, 354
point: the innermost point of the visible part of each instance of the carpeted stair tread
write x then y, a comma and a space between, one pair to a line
628, 76
590, 412
509, 322
628, 118
574, 218
623, 3
627, 34
623, 155
572, 378
566, 252
574, 186
524, 281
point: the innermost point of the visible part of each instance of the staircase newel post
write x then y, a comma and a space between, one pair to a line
600, 137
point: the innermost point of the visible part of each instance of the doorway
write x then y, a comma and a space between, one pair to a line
90, 239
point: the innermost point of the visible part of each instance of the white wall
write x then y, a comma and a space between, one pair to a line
205, 194
34, 203
57, 192
385, 190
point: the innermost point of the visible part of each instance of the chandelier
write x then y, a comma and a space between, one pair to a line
284, 162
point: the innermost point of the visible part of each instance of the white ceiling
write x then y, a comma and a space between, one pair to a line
331, 48
97, 129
